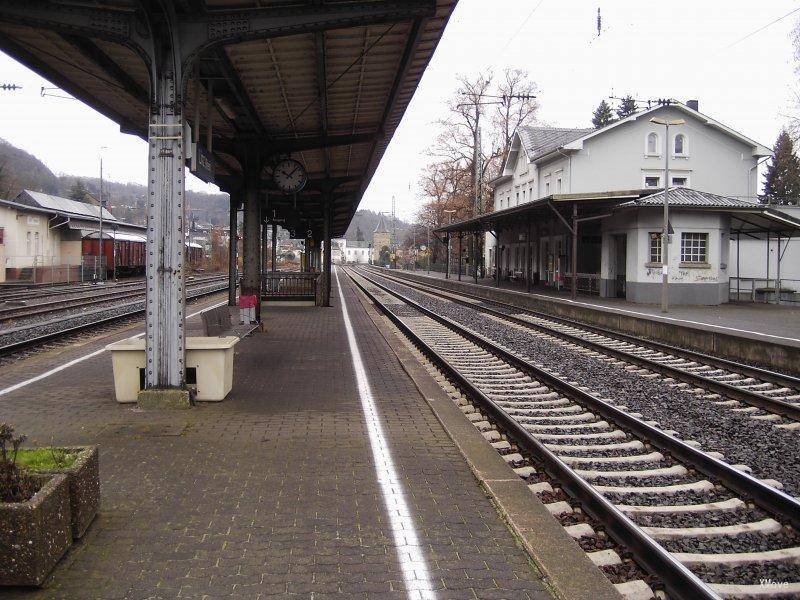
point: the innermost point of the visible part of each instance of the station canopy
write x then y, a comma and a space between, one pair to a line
325, 82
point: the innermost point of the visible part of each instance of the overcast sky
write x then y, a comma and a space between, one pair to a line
682, 49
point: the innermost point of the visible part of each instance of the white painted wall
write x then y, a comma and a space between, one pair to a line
618, 160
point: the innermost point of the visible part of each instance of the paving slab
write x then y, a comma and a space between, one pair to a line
272, 492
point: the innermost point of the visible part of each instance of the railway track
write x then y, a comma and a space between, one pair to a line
701, 527
86, 298
13, 293
766, 395
33, 336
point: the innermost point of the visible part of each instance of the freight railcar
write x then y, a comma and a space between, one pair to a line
125, 251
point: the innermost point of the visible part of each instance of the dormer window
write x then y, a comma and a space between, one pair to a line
652, 143
680, 145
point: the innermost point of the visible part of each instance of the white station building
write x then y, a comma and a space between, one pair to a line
595, 197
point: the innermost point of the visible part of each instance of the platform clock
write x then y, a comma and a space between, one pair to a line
289, 175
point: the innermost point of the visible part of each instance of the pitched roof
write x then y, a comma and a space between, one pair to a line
381, 226
687, 197
758, 149
62, 205
539, 141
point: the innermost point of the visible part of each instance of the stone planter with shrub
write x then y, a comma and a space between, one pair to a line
81, 465
36, 533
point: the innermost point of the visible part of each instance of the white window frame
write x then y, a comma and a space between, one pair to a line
558, 185
697, 252
647, 144
546, 188
654, 255
647, 176
674, 176
685, 152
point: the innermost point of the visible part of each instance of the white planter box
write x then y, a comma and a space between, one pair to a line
211, 358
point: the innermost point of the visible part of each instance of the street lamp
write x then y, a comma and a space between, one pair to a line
665, 229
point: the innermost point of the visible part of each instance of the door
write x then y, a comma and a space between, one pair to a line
620, 261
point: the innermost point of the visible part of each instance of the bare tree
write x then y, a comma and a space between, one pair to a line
514, 112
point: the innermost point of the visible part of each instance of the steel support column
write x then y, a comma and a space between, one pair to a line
251, 285
166, 296
233, 244
528, 257
460, 250
574, 250
274, 247
326, 234
447, 260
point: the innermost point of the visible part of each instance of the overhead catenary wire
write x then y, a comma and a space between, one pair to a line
762, 28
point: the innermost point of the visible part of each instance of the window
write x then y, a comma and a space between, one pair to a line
547, 189
38, 246
680, 181
652, 182
558, 184
655, 247
517, 197
694, 247
1, 236
28, 244
680, 144
523, 195
652, 143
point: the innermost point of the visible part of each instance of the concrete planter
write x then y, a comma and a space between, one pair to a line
209, 367
84, 487
35, 534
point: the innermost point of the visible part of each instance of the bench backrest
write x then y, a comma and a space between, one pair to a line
217, 321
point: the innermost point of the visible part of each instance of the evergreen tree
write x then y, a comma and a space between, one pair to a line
78, 191
626, 107
602, 115
782, 180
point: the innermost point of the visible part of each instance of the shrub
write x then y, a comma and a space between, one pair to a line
15, 484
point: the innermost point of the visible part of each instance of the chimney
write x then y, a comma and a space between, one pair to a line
693, 104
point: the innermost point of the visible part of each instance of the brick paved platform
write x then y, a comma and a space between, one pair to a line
271, 492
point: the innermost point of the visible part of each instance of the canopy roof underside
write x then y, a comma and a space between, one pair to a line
330, 97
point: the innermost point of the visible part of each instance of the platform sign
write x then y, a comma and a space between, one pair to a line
204, 164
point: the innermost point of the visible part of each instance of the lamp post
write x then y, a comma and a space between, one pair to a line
665, 228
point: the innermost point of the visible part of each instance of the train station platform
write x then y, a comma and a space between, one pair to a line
326, 472
752, 332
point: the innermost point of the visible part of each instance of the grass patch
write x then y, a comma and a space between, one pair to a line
45, 459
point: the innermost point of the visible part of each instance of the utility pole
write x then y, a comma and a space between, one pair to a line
665, 227
477, 166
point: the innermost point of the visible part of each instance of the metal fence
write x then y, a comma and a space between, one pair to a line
42, 269
767, 291
289, 285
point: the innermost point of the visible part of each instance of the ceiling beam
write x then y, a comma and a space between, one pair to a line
242, 97
93, 53
30, 60
322, 91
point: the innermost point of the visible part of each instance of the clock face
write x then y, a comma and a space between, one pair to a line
289, 175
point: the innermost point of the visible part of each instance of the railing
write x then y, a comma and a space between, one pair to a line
289, 285
755, 289
40, 269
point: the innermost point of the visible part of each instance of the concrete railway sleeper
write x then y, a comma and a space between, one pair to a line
702, 527
89, 297
765, 394
33, 336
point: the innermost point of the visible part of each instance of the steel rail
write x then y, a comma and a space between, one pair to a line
679, 581
774, 405
768, 498
17, 346
7, 314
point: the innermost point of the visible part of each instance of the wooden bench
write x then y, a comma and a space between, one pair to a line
224, 321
